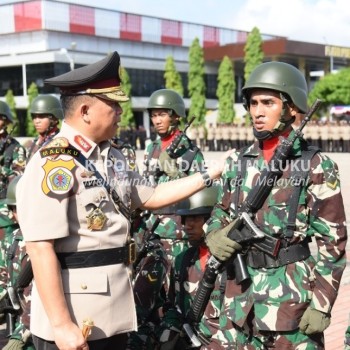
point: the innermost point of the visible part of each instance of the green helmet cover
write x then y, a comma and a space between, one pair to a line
201, 203
279, 76
11, 191
47, 104
167, 99
6, 111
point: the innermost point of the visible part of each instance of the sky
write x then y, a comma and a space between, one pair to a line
317, 21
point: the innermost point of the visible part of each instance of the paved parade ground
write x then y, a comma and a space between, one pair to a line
340, 314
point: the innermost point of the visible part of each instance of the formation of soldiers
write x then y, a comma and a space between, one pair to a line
332, 136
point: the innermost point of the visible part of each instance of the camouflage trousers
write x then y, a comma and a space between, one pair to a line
347, 339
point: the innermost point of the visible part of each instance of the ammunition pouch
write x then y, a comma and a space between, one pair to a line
101, 257
286, 255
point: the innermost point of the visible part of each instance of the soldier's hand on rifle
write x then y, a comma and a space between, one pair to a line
314, 321
168, 165
220, 245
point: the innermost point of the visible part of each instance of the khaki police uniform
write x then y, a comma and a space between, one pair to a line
78, 194
60, 199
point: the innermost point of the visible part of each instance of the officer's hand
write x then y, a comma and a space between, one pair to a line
220, 245
168, 165
314, 321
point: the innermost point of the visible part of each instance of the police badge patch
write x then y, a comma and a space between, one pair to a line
59, 180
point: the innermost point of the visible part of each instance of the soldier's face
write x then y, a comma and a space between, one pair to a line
162, 120
41, 122
194, 227
265, 108
3, 123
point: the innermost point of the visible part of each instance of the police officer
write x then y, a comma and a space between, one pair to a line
74, 202
46, 112
12, 154
16, 259
187, 272
287, 300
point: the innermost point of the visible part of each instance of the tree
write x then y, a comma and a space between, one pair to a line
253, 52
225, 91
127, 117
332, 89
172, 77
10, 100
196, 84
33, 92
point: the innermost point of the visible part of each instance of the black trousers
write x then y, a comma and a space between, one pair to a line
117, 342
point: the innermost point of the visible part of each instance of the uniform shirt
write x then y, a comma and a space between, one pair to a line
54, 198
280, 295
33, 145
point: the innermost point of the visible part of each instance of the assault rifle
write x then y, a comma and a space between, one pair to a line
147, 245
10, 304
7, 139
171, 150
243, 230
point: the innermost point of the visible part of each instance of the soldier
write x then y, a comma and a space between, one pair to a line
46, 112
226, 136
202, 137
128, 152
166, 108
186, 274
12, 154
324, 136
17, 258
74, 202
287, 300
218, 138
211, 138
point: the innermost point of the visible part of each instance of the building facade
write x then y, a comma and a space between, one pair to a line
44, 38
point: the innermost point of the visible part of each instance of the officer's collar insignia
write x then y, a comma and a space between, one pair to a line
59, 180
331, 178
81, 142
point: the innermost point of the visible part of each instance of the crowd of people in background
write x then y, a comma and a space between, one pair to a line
330, 136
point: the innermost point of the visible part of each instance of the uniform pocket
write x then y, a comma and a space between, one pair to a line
80, 281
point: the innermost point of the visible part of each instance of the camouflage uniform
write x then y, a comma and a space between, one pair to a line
128, 152
347, 339
33, 145
149, 294
17, 258
186, 274
7, 226
270, 305
12, 161
170, 229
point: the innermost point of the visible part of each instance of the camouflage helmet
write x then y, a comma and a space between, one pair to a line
11, 191
278, 76
167, 99
201, 203
47, 104
6, 111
